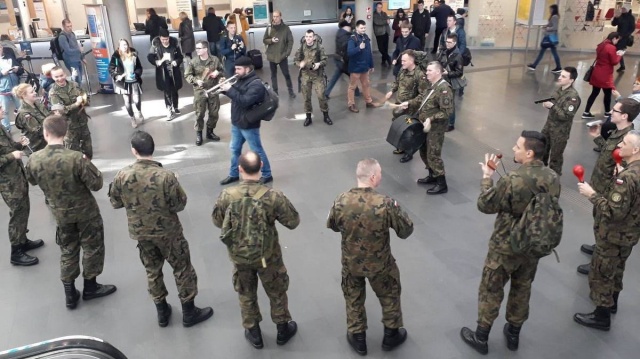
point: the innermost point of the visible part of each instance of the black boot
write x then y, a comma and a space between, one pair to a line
212, 136
286, 331
358, 342
584, 268
393, 338
598, 319
614, 309
20, 258
478, 339
192, 315
307, 121
198, 138
587, 248
406, 158
427, 180
512, 333
292, 94
93, 289
164, 313
440, 187
254, 336
72, 294
327, 119
29, 244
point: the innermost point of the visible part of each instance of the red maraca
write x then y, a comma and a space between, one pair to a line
578, 171
616, 156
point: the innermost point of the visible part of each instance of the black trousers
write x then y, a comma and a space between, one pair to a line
284, 67
383, 47
592, 98
436, 41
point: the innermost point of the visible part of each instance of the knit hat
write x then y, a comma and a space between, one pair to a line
243, 61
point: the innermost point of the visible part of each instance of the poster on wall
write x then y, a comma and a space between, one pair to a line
183, 5
399, 4
100, 36
534, 12
41, 13
260, 12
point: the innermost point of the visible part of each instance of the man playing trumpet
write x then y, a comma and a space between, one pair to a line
203, 73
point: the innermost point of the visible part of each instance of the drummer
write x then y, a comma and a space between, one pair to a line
407, 87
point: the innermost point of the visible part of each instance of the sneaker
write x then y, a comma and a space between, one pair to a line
531, 67
134, 124
607, 114
170, 115
587, 115
139, 117
176, 111
557, 70
621, 69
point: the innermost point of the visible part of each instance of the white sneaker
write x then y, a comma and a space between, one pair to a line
170, 115
139, 117
133, 122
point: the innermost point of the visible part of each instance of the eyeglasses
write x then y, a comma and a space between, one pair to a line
199, 48
450, 42
618, 111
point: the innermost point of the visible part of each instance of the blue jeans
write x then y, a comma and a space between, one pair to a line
5, 100
554, 52
335, 77
213, 49
252, 136
78, 66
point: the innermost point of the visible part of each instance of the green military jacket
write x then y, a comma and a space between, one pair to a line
198, 69
438, 106
278, 51
407, 84
617, 213
363, 217
11, 170
565, 106
311, 55
275, 203
152, 197
66, 95
29, 121
603, 171
67, 179
510, 197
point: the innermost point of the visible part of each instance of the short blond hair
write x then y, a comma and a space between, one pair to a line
366, 168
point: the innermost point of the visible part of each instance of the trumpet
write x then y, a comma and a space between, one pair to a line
217, 89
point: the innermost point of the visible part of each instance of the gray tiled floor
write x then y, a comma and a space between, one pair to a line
440, 264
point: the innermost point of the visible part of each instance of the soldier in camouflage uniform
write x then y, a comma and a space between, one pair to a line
67, 178
31, 115
153, 197
272, 272
364, 217
312, 60
74, 100
617, 229
562, 109
509, 198
204, 72
15, 193
436, 105
622, 115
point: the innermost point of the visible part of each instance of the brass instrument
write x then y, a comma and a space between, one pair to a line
217, 89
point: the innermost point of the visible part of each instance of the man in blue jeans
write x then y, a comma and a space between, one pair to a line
244, 94
71, 52
342, 38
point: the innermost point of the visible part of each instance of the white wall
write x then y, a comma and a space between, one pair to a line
55, 12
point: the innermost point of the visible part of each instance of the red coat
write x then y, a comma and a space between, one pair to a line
606, 59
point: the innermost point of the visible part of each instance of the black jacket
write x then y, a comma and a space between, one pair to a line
153, 25
441, 13
451, 60
421, 23
156, 52
626, 24
213, 26
116, 67
244, 94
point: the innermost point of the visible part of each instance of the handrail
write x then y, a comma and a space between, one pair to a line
65, 344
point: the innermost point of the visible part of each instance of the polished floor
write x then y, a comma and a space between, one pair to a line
440, 263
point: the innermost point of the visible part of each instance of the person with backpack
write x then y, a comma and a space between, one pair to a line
312, 61
626, 27
214, 27
247, 213
341, 59
617, 231
71, 51
360, 66
451, 61
510, 198
279, 42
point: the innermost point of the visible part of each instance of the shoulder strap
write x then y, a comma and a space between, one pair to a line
261, 192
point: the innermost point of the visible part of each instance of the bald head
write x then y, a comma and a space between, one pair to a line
250, 162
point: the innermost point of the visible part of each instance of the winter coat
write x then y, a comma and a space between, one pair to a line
116, 67
409, 43
360, 60
245, 93
156, 52
278, 51
213, 26
152, 26
441, 13
606, 59
396, 26
462, 39
626, 26
451, 61
187, 40
421, 22
380, 23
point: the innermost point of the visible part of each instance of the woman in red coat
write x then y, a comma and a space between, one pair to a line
602, 76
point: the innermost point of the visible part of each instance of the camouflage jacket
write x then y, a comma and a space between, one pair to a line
618, 212
276, 204
603, 170
565, 106
311, 55
363, 217
407, 85
29, 120
67, 180
11, 169
66, 95
510, 197
152, 196
199, 69
438, 107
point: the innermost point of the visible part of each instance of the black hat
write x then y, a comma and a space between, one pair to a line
243, 61
163, 33
421, 2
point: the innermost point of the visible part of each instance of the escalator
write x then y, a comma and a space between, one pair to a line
71, 347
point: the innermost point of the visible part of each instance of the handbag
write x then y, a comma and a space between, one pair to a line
631, 40
587, 75
554, 38
458, 82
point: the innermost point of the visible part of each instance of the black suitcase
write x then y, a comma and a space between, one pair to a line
254, 54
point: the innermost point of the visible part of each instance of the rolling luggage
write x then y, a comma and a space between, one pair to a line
254, 54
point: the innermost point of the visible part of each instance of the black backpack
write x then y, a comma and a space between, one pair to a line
466, 57
54, 46
265, 110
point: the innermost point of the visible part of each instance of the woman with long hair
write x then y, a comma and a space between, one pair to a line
400, 17
607, 57
349, 17
242, 24
31, 115
550, 40
126, 71
153, 24
185, 32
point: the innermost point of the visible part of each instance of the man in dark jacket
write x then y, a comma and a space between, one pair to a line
214, 27
245, 93
166, 56
405, 42
341, 60
451, 62
381, 31
626, 26
440, 12
421, 22
360, 65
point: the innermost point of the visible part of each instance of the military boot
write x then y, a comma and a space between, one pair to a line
584, 268
93, 289
512, 334
358, 342
598, 319
286, 331
440, 187
587, 248
614, 309
254, 337
29, 244
327, 119
478, 339
212, 136
198, 138
192, 315
393, 338
164, 313
427, 180
20, 258
307, 121
72, 294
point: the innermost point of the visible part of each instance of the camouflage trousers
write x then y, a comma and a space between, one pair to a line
79, 139
607, 268
175, 250
275, 282
554, 151
17, 199
386, 285
431, 152
203, 103
498, 270
318, 85
71, 237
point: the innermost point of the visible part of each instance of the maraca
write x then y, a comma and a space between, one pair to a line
616, 156
578, 171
